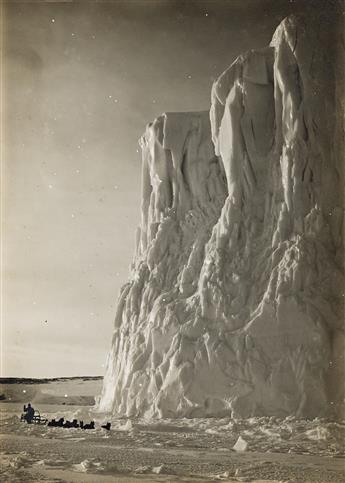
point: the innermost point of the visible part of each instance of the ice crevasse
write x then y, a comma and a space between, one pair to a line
235, 300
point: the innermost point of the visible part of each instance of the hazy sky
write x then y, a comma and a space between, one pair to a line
81, 80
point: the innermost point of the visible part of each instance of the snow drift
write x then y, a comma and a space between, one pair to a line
235, 300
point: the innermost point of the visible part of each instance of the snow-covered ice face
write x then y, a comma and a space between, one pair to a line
226, 311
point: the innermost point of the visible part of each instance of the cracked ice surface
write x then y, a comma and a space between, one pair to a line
235, 301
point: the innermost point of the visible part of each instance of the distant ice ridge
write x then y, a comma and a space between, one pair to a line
235, 304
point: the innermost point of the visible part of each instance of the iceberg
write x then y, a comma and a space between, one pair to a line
235, 300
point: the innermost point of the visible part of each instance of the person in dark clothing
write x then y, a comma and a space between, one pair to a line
29, 413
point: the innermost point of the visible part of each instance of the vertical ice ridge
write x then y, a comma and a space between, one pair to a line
183, 191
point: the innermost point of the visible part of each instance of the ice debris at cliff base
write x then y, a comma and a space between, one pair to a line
235, 302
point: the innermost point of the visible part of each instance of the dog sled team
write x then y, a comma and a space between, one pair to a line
31, 416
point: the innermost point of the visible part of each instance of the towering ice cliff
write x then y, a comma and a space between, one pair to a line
235, 301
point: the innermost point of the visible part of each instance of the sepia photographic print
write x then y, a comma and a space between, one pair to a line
172, 241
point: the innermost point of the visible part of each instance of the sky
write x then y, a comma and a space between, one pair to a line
80, 82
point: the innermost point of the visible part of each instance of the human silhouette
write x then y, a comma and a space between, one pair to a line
29, 413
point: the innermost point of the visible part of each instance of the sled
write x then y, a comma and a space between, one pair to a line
37, 419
